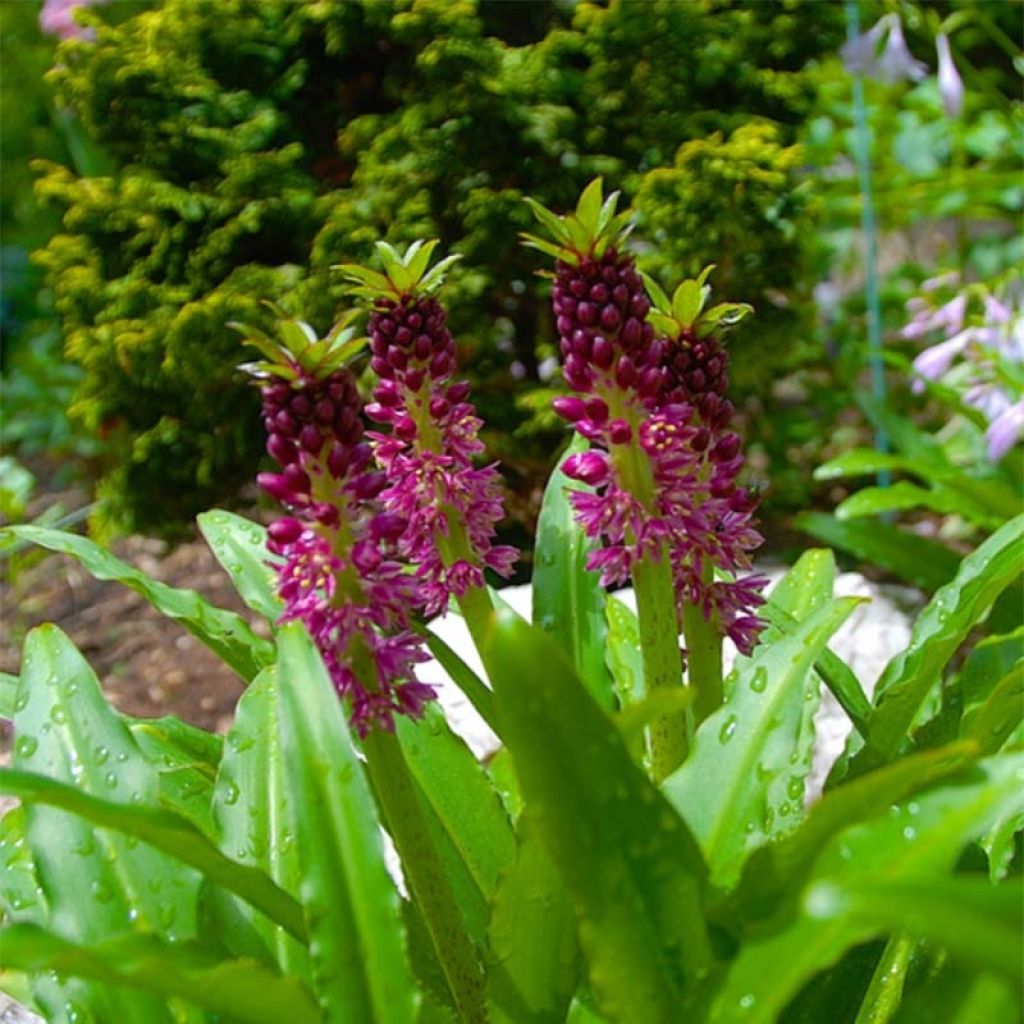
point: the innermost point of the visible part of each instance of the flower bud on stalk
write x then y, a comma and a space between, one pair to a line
450, 507
338, 572
650, 397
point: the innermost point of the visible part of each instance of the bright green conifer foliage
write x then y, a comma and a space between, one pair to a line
258, 142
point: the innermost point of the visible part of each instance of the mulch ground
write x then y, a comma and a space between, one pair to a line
148, 665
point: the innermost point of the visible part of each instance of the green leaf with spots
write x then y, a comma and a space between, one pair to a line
95, 882
568, 599
740, 786
914, 842
235, 990
240, 546
255, 817
227, 634
630, 865
359, 964
937, 634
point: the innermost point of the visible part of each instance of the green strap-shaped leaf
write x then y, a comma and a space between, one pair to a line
902, 495
236, 990
164, 831
532, 949
1000, 716
623, 656
568, 600
937, 634
255, 814
360, 970
973, 919
780, 869
476, 691
865, 461
913, 842
8, 694
458, 790
240, 546
186, 759
95, 882
629, 862
226, 634
740, 788
922, 562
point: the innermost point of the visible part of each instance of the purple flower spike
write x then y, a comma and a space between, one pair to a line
338, 570
449, 506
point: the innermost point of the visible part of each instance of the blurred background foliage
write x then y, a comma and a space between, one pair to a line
199, 156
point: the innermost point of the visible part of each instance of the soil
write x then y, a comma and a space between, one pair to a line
148, 665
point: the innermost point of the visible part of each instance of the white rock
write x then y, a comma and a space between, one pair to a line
874, 632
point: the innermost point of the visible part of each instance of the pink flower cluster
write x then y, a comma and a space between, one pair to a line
661, 466
449, 506
339, 572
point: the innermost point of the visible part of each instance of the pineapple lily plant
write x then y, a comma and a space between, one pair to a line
640, 848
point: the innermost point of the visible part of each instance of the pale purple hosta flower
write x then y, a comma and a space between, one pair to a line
337, 570
1005, 430
975, 356
894, 63
951, 86
450, 505
57, 18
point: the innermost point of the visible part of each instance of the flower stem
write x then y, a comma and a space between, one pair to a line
703, 657
406, 821
659, 650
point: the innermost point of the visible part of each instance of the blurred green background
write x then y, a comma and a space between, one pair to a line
188, 159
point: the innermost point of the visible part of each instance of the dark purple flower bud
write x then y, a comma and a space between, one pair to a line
285, 531
323, 411
569, 408
620, 432
597, 409
379, 413
697, 381
640, 306
701, 439
586, 313
301, 406
620, 295
578, 287
405, 427
414, 379
709, 405
564, 324
603, 352
387, 526
365, 556
632, 332
414, 321
599, 294
380, 366
625, 372
369, 485
439, 408
727, 448
296, 478
397, 358
403, 336
650, 382
385, 325
311, 439
338, 459
281, 449
459, 392
423, 347
276, 486
286, 423
587, 467
440, 365
386, 392
610, 317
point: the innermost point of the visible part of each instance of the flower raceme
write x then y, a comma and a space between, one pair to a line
449, 505
649, 394
338, 570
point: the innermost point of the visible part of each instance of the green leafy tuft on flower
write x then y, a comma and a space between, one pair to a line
685, 315
404, 274
296, 351
586, 233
